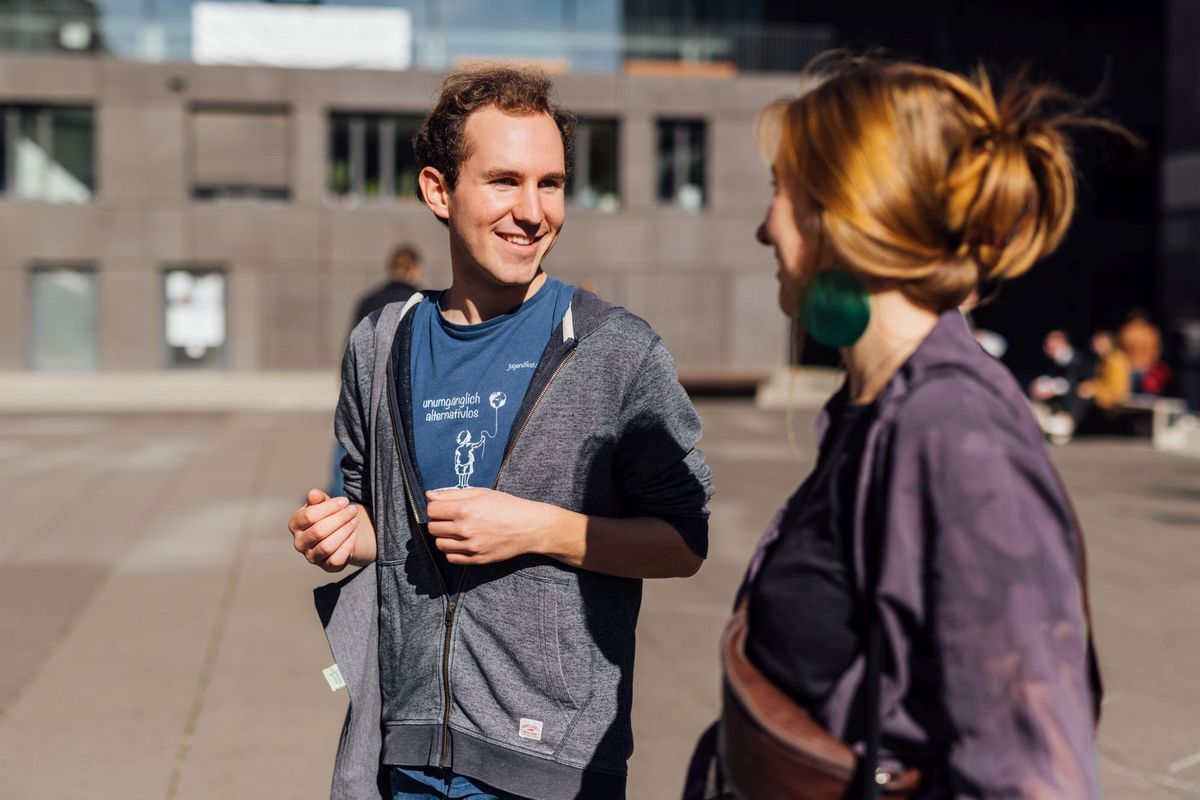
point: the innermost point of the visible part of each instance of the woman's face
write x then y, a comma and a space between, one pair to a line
790, 229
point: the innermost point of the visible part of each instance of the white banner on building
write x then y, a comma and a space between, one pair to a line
301, 36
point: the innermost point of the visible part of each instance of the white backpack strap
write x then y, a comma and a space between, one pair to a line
568, 325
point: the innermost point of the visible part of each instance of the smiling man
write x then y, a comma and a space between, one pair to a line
520, 455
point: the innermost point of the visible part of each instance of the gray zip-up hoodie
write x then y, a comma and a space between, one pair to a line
522, 675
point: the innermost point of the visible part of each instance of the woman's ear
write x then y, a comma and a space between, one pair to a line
435, 192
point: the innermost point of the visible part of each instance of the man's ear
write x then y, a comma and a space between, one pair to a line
435, 192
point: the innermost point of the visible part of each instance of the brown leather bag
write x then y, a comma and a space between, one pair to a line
772, 749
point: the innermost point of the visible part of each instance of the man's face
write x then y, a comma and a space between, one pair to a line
1055, 345
507, 208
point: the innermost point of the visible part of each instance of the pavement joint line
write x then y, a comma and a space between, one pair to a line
1117, 764
157, 508
1175, 767
224, 610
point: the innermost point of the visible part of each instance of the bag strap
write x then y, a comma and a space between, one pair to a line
873, 680
385, 334
704, 780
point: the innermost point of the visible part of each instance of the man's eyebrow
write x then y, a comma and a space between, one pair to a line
500, 172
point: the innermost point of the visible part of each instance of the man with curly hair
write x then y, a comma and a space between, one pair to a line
487, 643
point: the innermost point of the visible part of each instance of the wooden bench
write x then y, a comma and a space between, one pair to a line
1142, 415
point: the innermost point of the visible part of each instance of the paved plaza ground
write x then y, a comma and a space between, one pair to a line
159, 639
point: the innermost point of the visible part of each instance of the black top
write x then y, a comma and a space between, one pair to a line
804, 627
390, 292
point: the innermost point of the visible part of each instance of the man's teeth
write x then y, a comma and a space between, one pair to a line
508, 237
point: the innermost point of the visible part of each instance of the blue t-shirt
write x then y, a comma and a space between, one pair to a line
468, 381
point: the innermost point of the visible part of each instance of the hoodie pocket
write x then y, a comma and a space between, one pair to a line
507, 669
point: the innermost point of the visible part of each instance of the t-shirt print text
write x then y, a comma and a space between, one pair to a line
521, 365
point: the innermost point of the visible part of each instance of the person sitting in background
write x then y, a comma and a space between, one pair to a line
1142, 342
1058, 406
1111, 384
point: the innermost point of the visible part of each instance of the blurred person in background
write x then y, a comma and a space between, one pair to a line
1142, 342
404, 276
919, 596
1111, 384
1058, 404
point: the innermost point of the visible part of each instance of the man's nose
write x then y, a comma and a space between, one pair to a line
528, 208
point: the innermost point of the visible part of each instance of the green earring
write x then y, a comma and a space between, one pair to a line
836, 308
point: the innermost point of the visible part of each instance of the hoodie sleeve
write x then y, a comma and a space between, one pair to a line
350, 421
981, 508
660, 471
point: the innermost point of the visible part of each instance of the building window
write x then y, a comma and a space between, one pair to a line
194, 322
48, 153
240, 152
371, 157
593, 182
681, 156
62, 318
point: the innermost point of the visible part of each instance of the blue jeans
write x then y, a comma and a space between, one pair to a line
431, 783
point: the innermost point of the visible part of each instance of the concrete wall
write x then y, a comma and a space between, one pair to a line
295, 268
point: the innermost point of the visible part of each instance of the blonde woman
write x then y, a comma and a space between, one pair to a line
933, 522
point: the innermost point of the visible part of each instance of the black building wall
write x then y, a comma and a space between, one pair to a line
1179, 286
1109, 262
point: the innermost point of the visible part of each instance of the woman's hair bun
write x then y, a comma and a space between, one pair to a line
923, 176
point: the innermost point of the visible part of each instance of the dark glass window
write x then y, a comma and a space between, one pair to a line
63, 318
339, 156
681, 163
194, 325
594, 174
47, 153
371, 156
3, 154
405, 163
74, 147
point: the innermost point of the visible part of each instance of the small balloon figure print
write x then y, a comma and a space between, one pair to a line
466, 445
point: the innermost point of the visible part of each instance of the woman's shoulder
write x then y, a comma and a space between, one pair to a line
956, 399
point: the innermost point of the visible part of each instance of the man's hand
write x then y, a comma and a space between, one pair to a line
326, 532
482, 526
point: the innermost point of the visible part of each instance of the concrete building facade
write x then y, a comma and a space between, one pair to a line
294, 258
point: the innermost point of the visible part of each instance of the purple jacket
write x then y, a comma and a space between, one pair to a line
985, 668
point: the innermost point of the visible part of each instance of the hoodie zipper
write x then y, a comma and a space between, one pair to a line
452, 602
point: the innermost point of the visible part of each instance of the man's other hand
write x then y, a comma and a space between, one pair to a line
325, 530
